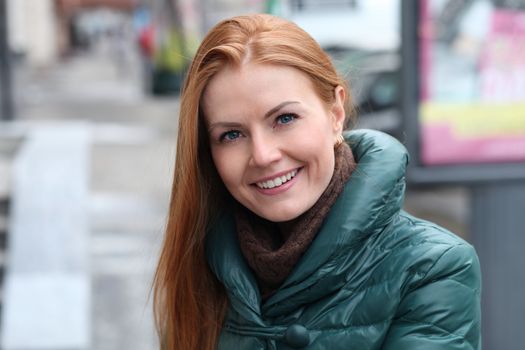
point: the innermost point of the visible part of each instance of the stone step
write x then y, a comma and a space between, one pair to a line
129, 213
46, 302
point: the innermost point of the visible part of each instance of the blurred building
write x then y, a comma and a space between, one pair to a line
32, 30
43, 30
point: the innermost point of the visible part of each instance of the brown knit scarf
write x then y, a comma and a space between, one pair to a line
272, 249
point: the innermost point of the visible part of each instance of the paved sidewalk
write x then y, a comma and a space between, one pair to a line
132, 156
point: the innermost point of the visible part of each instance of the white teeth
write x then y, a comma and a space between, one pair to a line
278, 181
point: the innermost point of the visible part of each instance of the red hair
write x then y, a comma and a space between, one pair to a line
189, 303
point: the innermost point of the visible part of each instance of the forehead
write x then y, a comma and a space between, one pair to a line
254, 88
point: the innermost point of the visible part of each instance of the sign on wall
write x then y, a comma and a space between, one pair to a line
471, 81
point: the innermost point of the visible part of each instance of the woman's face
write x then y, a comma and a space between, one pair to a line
272, 137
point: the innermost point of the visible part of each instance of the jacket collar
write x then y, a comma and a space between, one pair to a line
371, 197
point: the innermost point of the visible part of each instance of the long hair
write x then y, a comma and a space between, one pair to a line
189, 303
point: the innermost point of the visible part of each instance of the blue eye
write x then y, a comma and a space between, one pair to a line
286, 118
230, 135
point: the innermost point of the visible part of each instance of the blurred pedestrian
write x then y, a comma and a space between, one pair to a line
284, 234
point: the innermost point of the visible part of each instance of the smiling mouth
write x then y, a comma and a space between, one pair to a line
277, 181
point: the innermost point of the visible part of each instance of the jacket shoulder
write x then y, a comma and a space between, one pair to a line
440, 298
430, 252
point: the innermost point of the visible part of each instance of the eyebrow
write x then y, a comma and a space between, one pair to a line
278, 107
266, 115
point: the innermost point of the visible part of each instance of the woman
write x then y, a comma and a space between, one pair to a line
281, 234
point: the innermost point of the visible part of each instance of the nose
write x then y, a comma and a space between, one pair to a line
264, 151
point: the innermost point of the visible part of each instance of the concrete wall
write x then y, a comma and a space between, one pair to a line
32, 30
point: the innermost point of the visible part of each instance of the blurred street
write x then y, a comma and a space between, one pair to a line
131, 161
87, 157
131, 158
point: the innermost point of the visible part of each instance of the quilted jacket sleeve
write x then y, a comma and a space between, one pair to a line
442, 311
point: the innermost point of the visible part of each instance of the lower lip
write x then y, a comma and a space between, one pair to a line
279, 189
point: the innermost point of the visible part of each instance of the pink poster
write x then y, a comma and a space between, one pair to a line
472, 85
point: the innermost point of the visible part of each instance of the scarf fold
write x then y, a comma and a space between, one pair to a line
273, 249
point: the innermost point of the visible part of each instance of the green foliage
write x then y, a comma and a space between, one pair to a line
171, 54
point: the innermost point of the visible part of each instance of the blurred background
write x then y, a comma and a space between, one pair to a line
88, 122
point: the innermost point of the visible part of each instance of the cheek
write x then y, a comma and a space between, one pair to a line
318, 142
227, 167
318, 150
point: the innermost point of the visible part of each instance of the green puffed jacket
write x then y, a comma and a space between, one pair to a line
373, 278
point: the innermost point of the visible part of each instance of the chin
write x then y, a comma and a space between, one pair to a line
281, 215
